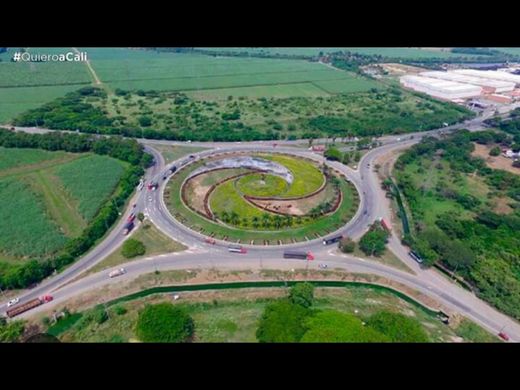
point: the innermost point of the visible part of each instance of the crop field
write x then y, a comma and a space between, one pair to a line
135, 69
40, 214
25, 85
90, 180
25, 228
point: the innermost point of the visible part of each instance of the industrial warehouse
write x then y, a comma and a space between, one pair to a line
465, 85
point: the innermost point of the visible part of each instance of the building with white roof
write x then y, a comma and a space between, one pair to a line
489, 85
442, 89
489, 74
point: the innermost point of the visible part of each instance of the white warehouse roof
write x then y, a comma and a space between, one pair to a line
441, 88
490, 74
498, 85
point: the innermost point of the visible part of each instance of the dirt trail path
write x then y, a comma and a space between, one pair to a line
97, 81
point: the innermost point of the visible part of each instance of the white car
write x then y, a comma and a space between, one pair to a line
323, 266
117, 272
13, 302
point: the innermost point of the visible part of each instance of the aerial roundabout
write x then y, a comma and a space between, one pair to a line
260, 197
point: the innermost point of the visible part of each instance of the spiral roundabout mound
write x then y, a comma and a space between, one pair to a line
261, 198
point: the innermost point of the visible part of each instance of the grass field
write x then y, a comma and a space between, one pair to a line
306, 177
262, 185
154, 240
48, 198
225, 198
232, 316
509, 50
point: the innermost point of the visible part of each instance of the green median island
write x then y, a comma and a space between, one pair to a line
261, 198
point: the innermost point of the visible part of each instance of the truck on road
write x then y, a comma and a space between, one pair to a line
28, 305
385, 225
298, 255
128, 227
332, 240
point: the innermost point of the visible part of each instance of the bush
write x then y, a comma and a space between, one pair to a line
133, 248
11, 332
164, 323
120, 310
282, 322
333, 154
331, 326
346, 245
398, 328
302, 294
495, 151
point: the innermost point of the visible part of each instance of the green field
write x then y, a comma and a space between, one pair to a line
306, 176
509, 50
49, 197
262, 185
233, 316
25, 85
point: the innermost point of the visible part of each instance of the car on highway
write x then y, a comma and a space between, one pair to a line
322, 266
134, 205
191, 156
416, 257
13, 302
210, 240
503, 336
164, 177
149, 199
131, 218
117, 272
237, 249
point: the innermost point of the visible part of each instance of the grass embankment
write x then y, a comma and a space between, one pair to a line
232, 316
154, 240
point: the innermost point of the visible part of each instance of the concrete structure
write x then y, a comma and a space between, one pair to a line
495, 97
488, 85
489, 74
443, 89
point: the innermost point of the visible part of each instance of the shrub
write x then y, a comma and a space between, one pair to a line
302, 294
398, 327
333, 154
164, 323
132, 248
346, 245
495, 151
120, 310
282, 322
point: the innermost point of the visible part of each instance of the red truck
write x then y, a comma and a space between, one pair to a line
385, 225
28, 306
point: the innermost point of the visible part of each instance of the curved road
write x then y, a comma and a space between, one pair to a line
373, 204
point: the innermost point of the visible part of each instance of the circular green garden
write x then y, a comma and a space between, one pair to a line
261, 206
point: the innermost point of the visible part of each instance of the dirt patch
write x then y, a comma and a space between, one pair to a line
400, 69
502, 206
494, 162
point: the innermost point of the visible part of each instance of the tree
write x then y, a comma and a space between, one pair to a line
331, 326
164, 323
140, 217
282, 322
132, 248
145, 121
346, 158
373, 242
495, 151
398, 327
333, 154
302, 294
11, 332
346, 245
